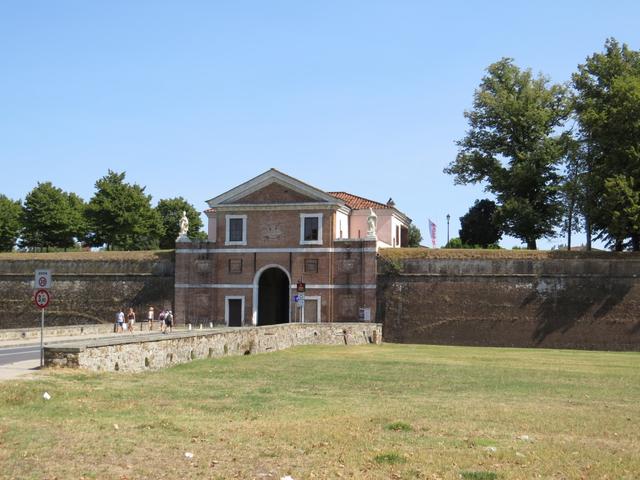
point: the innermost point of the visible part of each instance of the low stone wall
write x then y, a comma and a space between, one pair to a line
61, 331
156, 351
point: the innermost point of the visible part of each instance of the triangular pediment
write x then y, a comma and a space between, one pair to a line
271, 188
275, 192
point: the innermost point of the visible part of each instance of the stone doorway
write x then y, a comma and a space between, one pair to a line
273, 297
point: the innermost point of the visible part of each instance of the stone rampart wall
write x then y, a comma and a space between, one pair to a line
87, 288
554, 302
52, 332
572, 302
161, 351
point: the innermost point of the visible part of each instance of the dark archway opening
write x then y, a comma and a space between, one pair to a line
273, 297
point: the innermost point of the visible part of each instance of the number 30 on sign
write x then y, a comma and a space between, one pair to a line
41, 298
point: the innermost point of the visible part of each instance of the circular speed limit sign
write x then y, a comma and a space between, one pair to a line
41, 298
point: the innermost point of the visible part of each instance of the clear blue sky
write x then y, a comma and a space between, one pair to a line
191, 98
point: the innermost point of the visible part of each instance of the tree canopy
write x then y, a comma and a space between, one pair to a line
51, 218
607, 106
478, 226
170, 211
512, 145
120, 215
414, 236
10, 224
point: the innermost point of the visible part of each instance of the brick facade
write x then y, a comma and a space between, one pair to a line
247, 272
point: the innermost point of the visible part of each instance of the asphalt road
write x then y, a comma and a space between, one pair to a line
19, 354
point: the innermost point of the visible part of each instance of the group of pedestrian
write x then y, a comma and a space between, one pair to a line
127, 322
166, 320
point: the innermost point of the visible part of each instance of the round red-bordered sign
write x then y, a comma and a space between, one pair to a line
41, 298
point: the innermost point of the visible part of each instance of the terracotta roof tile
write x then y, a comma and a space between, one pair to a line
357, 203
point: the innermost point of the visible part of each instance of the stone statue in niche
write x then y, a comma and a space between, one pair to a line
184, 224
371, 224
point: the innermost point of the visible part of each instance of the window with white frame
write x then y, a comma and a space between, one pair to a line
311, 229
236, 231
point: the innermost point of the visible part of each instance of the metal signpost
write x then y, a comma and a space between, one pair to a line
299, 299
42, 284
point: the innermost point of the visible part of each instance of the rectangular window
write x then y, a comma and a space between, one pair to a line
235, 230
310, 265
311, 228
236, 233
235, 265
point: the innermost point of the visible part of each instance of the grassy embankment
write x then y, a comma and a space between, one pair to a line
90, 256
379, 412
498, 254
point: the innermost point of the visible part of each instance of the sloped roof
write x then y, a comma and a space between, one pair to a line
269, 177
357, 203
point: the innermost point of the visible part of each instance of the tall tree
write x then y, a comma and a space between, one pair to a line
414, 236
77, 215
50, 218
574, 193
607, 105
622, 200
120, 215
479, 226
170, 211
512, 145
10, 225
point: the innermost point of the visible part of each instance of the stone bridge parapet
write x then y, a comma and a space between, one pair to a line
156, 351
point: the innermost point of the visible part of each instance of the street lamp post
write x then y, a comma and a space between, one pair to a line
448, 218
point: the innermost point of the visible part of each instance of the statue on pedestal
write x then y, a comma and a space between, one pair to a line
184, 225
372, 220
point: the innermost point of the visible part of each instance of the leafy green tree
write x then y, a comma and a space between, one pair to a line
512, 145
120, 215
607, 106
10, 225
622, 200
574, 193
478, 226
414, 237
456, 243
77, 215
50, 218
170, 211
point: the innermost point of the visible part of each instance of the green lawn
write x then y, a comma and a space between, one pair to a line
390, 411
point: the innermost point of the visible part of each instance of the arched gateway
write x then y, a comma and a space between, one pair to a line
273, 293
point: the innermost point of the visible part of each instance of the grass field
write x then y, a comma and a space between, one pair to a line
380, 412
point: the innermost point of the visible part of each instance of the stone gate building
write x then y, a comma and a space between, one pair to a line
270, 236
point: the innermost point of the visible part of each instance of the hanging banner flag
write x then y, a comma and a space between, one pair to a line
432, 231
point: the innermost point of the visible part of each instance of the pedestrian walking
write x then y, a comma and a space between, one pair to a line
168, 321
163, 313
150, 315
131, 319
119, 321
